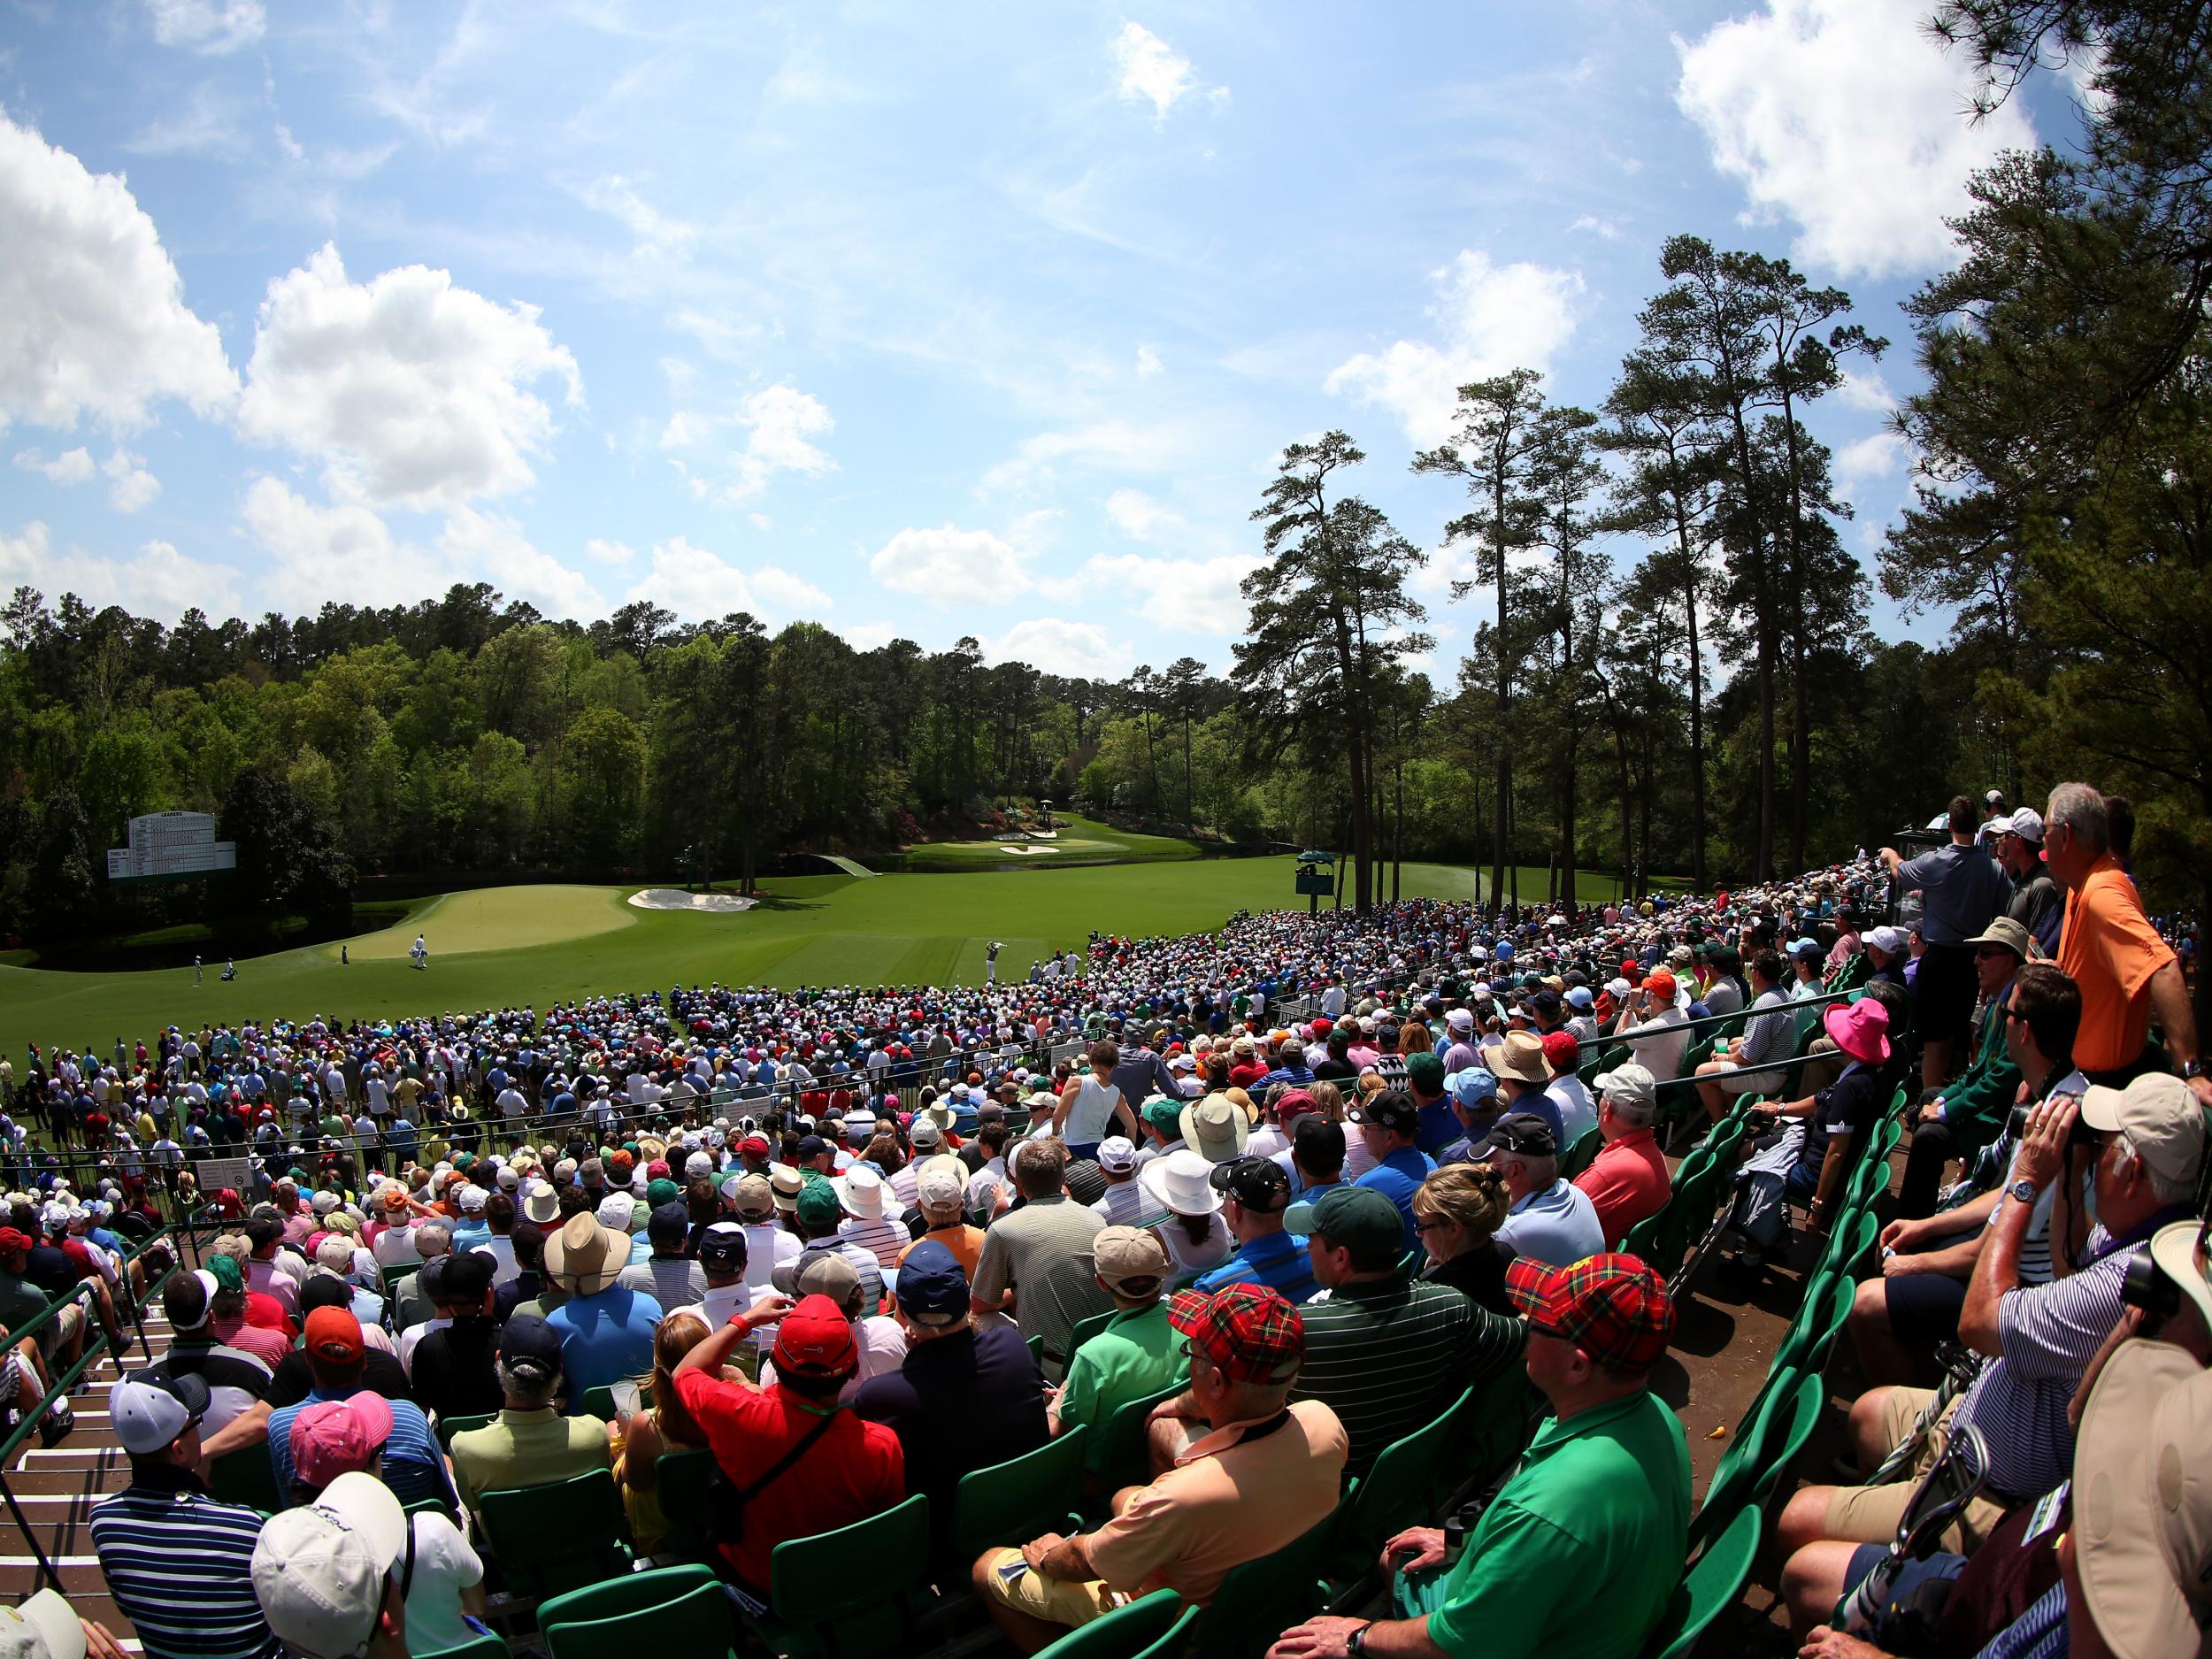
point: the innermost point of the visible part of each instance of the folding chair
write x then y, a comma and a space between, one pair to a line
560, 1536
681, 1479
1151, 1625
1260, 1600
1085, 1329
1713, 1584
671, 1609
1015, 1501
820, 1608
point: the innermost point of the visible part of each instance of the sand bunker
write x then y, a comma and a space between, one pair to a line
677, 899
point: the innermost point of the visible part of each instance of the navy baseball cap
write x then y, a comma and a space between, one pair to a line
932, 1286
723, 1246
669, 1224
812, 1146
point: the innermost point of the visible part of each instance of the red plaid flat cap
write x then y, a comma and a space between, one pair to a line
1612, 1307
1248, 1331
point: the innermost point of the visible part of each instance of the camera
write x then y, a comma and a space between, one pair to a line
2147, 1287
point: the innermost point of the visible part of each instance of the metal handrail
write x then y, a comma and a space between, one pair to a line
96, 1348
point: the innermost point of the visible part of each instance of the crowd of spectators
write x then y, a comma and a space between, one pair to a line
842, 1240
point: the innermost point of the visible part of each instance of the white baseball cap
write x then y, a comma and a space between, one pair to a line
150, 1412
1116, 1152
320, 1571
43, 1627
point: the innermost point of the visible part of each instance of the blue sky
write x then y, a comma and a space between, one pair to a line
924, 320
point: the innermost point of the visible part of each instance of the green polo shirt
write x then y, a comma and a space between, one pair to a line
1601, 1500
1137, 1354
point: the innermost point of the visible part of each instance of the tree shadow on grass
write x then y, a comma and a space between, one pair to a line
780, 902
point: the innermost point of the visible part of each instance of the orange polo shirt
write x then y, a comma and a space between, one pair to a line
2110, 950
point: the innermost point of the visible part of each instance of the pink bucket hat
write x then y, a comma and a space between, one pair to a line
1860, 1029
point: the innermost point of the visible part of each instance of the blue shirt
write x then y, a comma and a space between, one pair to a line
1277, 1261
604, 1339
1396, 1178
413, 1466
1560, 1226
1438, 1127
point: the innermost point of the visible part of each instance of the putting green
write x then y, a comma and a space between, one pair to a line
498, 919
507, 947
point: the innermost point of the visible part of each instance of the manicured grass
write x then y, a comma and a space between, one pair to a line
1078, 841
512, 946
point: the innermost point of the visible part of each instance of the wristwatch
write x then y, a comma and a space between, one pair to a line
1356, 1644
2026, 1191
2193, 1068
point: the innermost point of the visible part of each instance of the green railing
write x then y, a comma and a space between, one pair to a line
96, 1347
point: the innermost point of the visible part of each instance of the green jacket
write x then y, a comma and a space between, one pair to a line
1975, 1106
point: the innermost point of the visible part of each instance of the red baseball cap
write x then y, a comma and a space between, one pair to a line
1612, 1307
754, 1146
13, 1240
334, 1333
1248, 1333
816, 1338
1562, 1050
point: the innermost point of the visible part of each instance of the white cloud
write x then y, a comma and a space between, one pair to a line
949, 565
1192, 595
207, 26
131, 486
1866, 389
778, 424
344, 552
609, 552
867, 636
1844, 117
1147, 362
1492, 318
95, 324
71, 466
157, 582
1059, 647
1136, 514
1879, 455
492, 547
1118, 446
414, 392
1597, 225
787, 594
701, 586
656, 234
1150, 70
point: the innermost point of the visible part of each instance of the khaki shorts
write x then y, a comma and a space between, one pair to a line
1054, 1601
1869, 1515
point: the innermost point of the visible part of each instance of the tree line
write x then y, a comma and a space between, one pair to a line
1673, 671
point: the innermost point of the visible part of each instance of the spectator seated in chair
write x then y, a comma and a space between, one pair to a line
1137, 1354
1261, 1470
530, 1443
1579, 1554
1970, 1110
1550, 1219
1627, 1182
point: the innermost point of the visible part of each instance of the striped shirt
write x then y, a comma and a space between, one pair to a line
1388, 1356
178, 1564
414, 1467
881, 1237
1126, 1204
2047, 1334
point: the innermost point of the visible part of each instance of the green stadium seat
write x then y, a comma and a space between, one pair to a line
1150, 1627
1394, 1494
1826, 1309
599, 1402
1020, 1499
1126, 1462
556, 1536
681, 1479
489, 1645
1581, 1155
1708, 1587
448, 1427
1260, 1600
671, 1609
1741, 1464
1085, 1329
246, 1476
1790, 1427
1853, 1238
1037, 1351
395, 1277
852, 1593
